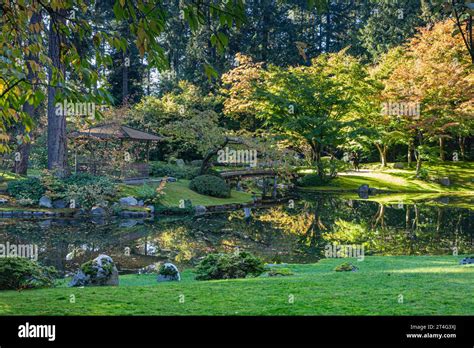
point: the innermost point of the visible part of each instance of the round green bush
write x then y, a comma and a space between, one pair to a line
229, 266
21, 273
210, 185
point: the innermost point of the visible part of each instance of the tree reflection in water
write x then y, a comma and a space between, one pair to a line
280, 233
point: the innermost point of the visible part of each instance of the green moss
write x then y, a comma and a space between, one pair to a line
275, 272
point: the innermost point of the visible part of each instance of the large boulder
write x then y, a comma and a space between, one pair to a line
129, 201
98, 272
45, 202
180, 162
168, 273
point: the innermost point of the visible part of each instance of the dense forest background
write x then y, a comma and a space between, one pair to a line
173, 69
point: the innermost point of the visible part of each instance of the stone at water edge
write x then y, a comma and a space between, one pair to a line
200, 209
130, 201
170, 271
98, 211
99, 272
59, 204
45, 202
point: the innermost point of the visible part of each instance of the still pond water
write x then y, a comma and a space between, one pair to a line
296, 233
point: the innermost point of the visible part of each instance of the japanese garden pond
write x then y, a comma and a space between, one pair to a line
295, 232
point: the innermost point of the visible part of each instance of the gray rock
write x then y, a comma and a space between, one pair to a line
59, 204
363, 191
3, 200
98, 211
467, 261
101, 272
399, 165
45, 202
141, 203
168, 273
200, 209
130, 201
171, 179
180, 162
444, 181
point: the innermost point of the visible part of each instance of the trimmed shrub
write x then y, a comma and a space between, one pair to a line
21, 273
210, 185
312, 180
161, 169
30, 188
229, 266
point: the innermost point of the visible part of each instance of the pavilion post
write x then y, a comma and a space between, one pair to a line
274, 193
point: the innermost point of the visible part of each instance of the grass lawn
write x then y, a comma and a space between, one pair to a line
430, 285
176, 191
461, 175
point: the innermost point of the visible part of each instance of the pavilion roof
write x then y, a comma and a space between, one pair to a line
115, 131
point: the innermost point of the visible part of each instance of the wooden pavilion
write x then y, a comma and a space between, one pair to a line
108, 134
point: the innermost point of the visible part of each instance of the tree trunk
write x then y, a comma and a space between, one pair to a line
125, 64
57, 140
418, 163
316, 148
205, 162
410, 149
462, 147
441, 149
21, 165
383, 154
